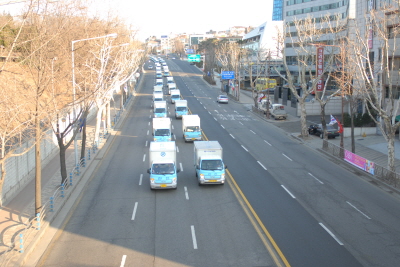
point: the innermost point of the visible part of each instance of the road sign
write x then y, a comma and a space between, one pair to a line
193, 58
227, 75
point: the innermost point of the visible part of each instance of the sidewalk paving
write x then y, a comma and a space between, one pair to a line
16, 214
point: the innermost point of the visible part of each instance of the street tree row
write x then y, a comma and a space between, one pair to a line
58, 62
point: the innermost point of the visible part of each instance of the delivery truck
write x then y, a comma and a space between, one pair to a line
210, 168
175, 95
163, 171
160, 82
162, 129
191, 128
158, 96
160, 109
158, 88
181, 108
169, 81
171, 86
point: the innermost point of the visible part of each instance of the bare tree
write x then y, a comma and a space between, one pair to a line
378, 76
304, 35
228, 55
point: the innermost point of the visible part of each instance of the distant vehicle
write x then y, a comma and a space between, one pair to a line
265, 83
173, 58
181, 108
222, 99
316, 129
191, 127
162, 129
159, 75
278, 112
160, 109
150, 67
175, 95
159, 82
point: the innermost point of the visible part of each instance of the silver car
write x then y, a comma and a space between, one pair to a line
222, 99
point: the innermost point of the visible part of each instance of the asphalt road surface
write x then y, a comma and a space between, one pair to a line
284, 204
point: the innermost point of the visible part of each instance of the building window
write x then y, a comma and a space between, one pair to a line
393, 31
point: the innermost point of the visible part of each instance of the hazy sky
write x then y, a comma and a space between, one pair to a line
156, 17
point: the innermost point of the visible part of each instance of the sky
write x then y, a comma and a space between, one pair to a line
156, 17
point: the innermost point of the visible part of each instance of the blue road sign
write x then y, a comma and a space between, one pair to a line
228, 75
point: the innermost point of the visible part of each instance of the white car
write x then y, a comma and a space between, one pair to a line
222, 99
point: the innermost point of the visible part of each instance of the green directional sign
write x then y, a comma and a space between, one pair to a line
193, 58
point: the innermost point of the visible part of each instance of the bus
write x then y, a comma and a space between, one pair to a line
265, 83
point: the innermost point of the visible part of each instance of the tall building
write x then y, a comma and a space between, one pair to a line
340, 11
277, 10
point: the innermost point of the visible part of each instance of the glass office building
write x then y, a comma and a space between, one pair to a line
277, 11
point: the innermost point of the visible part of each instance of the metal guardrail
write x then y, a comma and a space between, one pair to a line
381, 173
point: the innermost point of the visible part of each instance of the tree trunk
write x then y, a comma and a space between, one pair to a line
303, 118
63, 165
38, 169
108, 115
98, 122
391, 149
83, 148
38, 163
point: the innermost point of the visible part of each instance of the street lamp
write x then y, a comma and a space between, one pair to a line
112, 35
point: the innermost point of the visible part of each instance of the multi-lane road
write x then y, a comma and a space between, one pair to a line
283, 205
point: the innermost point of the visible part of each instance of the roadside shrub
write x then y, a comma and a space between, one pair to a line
360, 120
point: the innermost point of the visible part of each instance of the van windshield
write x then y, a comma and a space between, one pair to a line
159, 110
164, 168
192, 128
211, 165
162, 132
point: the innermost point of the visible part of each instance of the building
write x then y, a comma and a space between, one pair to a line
294, 11
262, 51
277, 10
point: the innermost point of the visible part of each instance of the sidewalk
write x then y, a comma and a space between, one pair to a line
16, 214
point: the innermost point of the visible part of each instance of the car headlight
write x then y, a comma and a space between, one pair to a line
223, 176
174, 180
155, 139
202, 176
152, 180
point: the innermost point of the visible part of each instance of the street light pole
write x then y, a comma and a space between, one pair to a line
113, 35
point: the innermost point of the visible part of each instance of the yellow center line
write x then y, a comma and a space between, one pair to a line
236, 190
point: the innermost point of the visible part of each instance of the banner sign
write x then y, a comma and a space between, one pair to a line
359, 162
320, 67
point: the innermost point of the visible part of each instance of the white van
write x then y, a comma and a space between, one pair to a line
159, 82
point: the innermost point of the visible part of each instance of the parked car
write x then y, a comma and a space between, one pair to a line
222, 99
316, 129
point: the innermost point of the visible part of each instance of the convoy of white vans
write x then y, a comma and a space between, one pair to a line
208, 163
